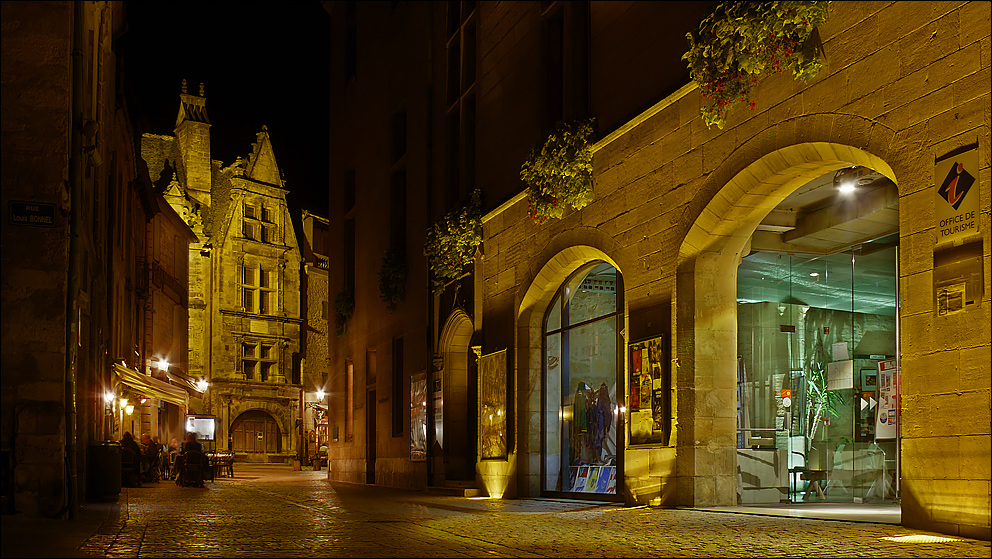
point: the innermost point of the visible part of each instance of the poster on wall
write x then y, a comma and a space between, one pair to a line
650, 391
418, 416
635, 378
956, 205
887, 419
437, 392
492, 405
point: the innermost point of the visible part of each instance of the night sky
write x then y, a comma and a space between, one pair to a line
260, 62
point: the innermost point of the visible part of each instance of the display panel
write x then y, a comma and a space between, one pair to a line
418, 416
203, 425
649, 412
492, 405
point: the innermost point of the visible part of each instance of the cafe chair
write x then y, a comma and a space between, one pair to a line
193, 465
152, 471
130, 475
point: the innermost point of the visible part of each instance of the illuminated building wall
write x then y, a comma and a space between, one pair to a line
676, 206
81, 267
245, 313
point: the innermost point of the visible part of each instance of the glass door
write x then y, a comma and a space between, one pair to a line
818, 374
581, 451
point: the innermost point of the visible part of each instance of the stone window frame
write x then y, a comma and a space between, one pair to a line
258, 290
258, 222
259, 356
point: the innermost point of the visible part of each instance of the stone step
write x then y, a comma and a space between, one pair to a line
453, 491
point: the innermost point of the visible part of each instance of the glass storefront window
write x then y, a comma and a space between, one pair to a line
581, 366
815, 333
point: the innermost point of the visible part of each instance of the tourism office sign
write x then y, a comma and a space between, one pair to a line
956, 205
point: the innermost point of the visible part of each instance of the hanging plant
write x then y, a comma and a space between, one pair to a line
392, 278
344, 307
741, 42
559, 172
451, 243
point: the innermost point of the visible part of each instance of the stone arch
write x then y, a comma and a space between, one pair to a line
455, 435
706, 309
535, 296
269, 432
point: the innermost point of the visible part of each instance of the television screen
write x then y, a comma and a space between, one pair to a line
203, 425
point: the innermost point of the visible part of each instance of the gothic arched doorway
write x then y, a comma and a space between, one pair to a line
255, 432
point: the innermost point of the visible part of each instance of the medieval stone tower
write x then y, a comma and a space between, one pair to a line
244, 291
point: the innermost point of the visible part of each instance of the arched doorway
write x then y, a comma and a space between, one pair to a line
256, 432
706, 313
560, 262
457, 426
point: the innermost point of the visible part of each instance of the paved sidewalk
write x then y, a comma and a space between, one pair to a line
272, 511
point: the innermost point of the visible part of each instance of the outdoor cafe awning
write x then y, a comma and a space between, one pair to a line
151, 387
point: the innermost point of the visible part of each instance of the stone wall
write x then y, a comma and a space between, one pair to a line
676, 202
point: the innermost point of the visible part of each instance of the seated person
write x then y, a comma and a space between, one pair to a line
149, 458
192, 443
132, 470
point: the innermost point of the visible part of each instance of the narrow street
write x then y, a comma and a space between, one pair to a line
272, 511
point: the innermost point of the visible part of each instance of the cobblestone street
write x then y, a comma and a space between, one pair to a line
272, 511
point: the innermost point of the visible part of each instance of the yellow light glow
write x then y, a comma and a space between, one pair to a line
109, 397
320, 394
163, 365
919, 538
202, 385
123, 402
129, 409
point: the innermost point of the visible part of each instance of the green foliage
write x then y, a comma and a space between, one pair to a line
344, 307
740, 41
392, 278
820, 402
559, 172
451, 242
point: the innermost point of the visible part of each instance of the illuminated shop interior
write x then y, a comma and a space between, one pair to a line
818, 356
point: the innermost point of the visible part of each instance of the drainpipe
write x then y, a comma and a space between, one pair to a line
76, 161
431, 434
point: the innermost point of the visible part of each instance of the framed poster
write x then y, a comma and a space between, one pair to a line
418, 416
492, 406
649, 410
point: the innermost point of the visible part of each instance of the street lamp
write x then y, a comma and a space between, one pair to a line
318, 414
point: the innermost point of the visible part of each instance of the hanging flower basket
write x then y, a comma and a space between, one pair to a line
741, 42
559, 172
452, 241
344, 307
392, 278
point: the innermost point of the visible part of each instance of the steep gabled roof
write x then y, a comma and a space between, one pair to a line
262, 166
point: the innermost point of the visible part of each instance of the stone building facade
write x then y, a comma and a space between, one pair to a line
314, 342
245, 307
692, 233
92, 291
